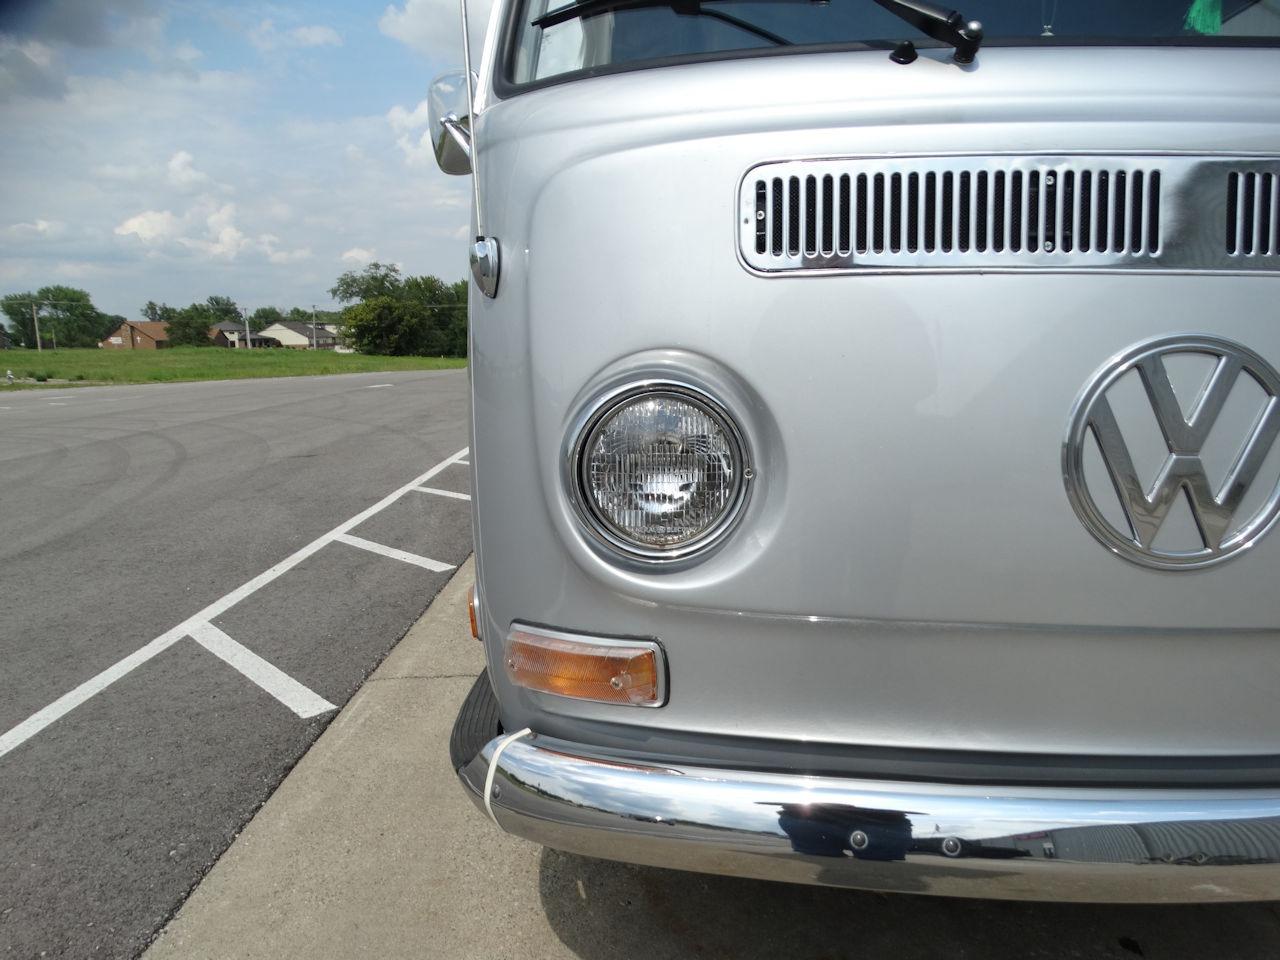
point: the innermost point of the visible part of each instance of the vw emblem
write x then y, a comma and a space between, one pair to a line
1144, 506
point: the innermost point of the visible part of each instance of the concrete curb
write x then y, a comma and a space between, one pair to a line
369, 847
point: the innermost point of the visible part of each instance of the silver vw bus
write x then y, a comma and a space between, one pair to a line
875, 457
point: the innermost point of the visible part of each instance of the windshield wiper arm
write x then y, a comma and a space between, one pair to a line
941, 24
947, 26
590, 8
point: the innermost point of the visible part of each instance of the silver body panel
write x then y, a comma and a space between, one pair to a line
908, 572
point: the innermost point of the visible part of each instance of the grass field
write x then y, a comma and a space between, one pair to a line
62, 367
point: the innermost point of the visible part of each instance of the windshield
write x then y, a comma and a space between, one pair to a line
640, 34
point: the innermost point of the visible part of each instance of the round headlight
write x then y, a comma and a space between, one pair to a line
661, 472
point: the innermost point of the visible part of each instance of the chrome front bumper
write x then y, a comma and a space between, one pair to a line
1110, 845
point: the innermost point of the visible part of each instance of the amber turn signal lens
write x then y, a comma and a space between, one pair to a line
472, 612
586, 668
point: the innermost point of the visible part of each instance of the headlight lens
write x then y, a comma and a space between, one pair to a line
661, 472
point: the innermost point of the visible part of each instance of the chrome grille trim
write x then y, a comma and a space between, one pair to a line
1044, 212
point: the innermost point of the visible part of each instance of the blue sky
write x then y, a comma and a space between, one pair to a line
169, 151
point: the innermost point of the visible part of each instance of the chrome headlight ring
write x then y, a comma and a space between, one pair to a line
726, 454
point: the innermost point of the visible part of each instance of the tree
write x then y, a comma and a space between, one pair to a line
189, 327
157, 313
223, 308
385, 325
67, 317
17, 309
402, 315
375, 280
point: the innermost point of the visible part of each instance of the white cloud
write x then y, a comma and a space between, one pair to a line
266, 37
417, 152
403, 121
267, 243
28, 69
187, 52
126, 172
359, 255
37, 53
182, 174
35, 229
224, 238
432, 27
417, 149
315, 36
150, 226
290, 256
208, 230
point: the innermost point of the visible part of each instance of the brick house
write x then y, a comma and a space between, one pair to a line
138, 335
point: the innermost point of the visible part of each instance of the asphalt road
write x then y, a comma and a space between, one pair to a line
134, 519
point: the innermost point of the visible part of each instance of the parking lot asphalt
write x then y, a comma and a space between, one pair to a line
370, 848
193, 584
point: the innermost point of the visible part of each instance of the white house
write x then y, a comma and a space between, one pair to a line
291, 333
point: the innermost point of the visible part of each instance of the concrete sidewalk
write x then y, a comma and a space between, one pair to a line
370, 848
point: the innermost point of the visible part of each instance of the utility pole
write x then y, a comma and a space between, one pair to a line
248, 338
313, 326
35, 316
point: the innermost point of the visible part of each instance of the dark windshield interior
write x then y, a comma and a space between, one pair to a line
624, 36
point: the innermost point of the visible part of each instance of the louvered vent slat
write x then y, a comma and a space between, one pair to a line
1069, 212
1253, 214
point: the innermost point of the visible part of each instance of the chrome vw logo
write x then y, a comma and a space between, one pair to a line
1143, 508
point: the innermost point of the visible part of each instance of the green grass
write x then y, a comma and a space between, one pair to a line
63, 368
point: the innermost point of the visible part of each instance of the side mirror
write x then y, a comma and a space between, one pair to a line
448, 114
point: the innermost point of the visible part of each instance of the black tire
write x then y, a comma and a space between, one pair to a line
478, 723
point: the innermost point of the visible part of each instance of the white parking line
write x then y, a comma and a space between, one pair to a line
304, 702
392, 552
57, 404
96, 684
444, 493
375, 386
463, 463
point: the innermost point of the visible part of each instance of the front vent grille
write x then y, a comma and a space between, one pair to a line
1047, 213
983, 211
1253, 214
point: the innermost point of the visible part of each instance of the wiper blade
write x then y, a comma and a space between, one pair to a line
692, 8
941, 24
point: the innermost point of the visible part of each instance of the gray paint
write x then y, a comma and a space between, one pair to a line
909, 571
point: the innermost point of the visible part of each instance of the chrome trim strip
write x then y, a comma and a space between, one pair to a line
1086, 844
1191, 226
